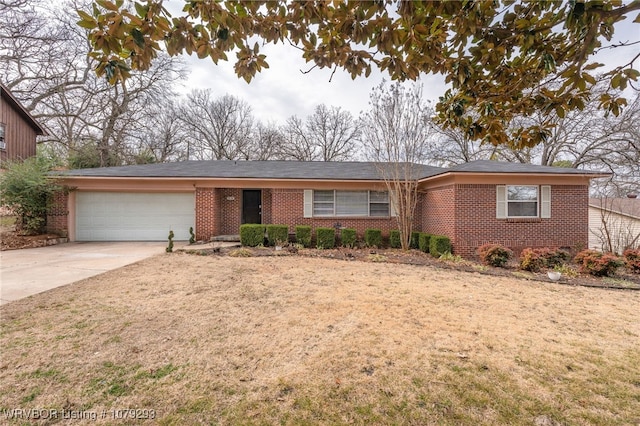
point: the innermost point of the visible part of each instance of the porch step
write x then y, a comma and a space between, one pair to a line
226, 238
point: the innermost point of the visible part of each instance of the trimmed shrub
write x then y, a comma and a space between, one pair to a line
531, 260
414, 242
423, 241
597, 263
632, 260
303, 235
192, 238
348, 237
554, 257
252, 234
277, 234
439, 245
325, 238
373, 237
169, 248
394, 239
494, 254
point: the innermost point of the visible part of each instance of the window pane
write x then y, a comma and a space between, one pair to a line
319, 196
523, 209
379, 209
352, 203
323, 209
379, 197
323, 203
521, 192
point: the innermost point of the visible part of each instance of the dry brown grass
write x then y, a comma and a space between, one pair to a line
207, 339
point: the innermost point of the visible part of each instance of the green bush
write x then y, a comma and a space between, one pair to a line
423, 241
325, 238
277, 234
303, 235
414, 243
394, 239
597, 263
439, 245
252, 234
348, 237
27, 190
494, 254
192, 238
373, 237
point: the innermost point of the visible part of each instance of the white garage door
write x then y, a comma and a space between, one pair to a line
118, 216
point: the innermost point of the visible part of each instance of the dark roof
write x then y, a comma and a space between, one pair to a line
7, 96
489, 166
301, 170
624, 206
251, 170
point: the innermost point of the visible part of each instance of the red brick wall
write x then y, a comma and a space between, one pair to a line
230, 211
476, 221
219, 211
287, 208
266, 206
438, 211
466, 213
58, 214
207, 213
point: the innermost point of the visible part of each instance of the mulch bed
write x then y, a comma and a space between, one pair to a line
623, 280
10, 240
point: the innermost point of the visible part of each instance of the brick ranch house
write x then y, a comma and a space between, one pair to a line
517, 205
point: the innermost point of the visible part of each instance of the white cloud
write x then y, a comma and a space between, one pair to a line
284, 90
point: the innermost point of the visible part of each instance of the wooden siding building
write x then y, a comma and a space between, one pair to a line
18, 129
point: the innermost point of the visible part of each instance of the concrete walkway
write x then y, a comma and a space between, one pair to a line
31, 271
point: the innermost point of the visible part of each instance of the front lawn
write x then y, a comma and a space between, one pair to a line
299, 340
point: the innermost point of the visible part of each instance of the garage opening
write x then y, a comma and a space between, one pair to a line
128, 216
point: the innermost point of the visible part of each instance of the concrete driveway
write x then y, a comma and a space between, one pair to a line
31, 271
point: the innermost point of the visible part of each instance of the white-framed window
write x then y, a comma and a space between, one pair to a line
3, 144
523, 201
330, 203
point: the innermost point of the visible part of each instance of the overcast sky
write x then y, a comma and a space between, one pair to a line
283, 90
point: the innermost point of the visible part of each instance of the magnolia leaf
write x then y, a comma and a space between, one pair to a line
85, 16
107, 5
593, 66
141, 9
87, 24
588, 78
138, 38
631, 73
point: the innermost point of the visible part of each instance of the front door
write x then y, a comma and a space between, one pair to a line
251, 206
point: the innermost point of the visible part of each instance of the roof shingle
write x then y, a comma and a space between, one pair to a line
304, 170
